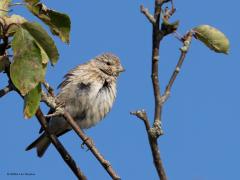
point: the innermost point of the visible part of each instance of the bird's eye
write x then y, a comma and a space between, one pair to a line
108, 63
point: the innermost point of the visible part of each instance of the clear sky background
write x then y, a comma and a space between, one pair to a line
201, 119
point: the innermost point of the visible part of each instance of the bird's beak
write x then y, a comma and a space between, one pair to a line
121, 69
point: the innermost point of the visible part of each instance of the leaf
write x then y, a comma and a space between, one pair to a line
168, 28
31, 1
212, 38
44, 41
32, 101
4, 62
4, 5
27, 69
45, 57
14, 21
59, 23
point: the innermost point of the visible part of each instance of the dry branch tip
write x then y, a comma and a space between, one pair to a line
148, 15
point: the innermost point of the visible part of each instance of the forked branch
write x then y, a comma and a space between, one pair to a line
158, 33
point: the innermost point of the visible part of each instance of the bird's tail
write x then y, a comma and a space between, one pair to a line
41, 144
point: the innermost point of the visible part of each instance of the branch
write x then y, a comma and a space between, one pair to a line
155, 131
54, 140
147, 14
51, 102
184, 49
157, 37
141, 114
60, 148
6, 90
89, 143
49, 88
152, 138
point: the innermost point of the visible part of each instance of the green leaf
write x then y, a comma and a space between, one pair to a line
13, 22
169, 28
31, 1
212, 38
32, 101
4, 6
27, 69
44, 41
4, 62
59, 23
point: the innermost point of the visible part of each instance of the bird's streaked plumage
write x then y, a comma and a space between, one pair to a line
87, 92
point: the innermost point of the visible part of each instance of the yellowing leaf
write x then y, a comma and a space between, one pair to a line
44, 41
32, 101
4, 5
14, 21
27, 69
31, 1
59, 23
212, 38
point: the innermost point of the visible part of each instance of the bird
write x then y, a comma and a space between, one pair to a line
88, 93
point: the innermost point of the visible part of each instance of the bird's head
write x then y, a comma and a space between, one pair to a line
109, 64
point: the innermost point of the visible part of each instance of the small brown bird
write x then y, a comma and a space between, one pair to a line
88, 93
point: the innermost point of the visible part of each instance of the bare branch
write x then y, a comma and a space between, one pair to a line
48, 100
147, 14
89, 143
6, 90
48, 88
156, 130
184, 49
60, 148
141, 114
157, 37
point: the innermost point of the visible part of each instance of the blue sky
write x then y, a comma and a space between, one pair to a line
200, 120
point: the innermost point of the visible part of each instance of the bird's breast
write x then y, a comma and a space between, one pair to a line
95, 103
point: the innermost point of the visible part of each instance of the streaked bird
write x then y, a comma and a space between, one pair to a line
87, 92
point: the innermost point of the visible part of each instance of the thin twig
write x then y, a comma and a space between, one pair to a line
147, 14
186, 43
6, 90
